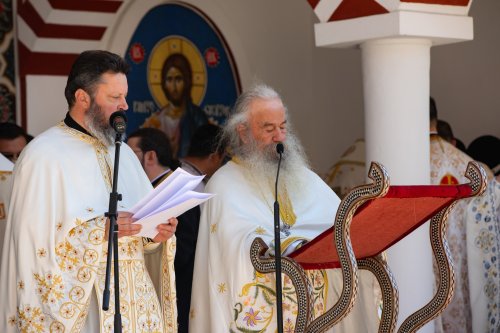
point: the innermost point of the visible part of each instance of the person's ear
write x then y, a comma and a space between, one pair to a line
212, 157
242, 130
82, 98
150, 157
216, 157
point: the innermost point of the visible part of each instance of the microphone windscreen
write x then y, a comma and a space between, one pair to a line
118, 120
280, 148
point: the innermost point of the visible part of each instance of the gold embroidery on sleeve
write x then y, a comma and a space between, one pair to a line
67, 256
30, 319
50, 287
41, 253
2, 211
20, 285
221, 287
260, 231
77, 294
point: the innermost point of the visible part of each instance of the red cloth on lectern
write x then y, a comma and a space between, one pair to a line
382, 222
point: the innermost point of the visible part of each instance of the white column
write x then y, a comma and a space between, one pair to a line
396, 95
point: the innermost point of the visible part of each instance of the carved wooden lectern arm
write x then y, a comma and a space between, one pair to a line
446, 277
390, 296
342, 240
379, 217
346, 210
296, 274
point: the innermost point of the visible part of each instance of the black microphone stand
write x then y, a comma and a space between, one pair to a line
114, 197
277, 247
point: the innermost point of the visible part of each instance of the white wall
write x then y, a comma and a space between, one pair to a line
465, 77
273, 41
45, 104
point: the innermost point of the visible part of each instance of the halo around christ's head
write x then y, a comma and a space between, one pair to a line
160, 53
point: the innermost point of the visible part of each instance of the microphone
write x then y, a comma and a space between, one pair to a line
118, 121
280, 148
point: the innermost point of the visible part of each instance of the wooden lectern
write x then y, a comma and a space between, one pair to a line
369, 220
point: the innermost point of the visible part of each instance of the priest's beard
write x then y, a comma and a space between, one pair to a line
262, 162
98, 125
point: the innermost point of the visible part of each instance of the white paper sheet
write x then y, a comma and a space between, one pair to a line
171, 198
150, 223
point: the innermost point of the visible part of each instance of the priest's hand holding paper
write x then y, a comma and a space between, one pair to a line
127, 227
172, 197
165, 230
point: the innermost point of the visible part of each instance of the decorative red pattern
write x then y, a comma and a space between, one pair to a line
38, 63
103, 6
313, 3
48, 30
55, 63
441, 2
349, 9
35, 63
382, 222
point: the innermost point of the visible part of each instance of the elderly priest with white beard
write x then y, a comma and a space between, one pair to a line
228, 294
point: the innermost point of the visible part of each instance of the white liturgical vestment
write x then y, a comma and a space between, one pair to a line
448, 165
228, 294
5, 189
483, 253
54, 255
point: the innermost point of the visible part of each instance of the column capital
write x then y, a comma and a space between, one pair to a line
439, 28
337, 10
